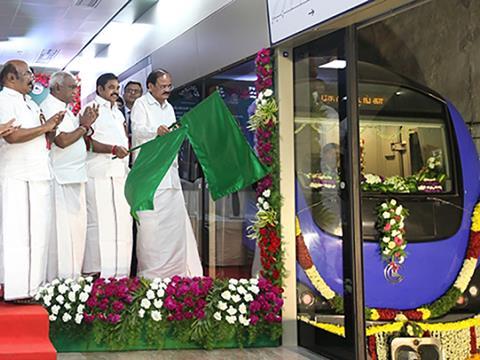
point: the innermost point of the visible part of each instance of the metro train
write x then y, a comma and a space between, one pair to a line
403, 127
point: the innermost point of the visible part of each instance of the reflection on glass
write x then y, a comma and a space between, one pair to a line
220, 227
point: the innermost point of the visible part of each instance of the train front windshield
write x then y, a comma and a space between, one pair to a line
405, 147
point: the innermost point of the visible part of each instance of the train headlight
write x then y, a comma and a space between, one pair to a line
307, 298
473, 291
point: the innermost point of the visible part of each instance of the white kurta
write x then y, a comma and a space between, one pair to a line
26, 202
166, 245
109, 224
67, 246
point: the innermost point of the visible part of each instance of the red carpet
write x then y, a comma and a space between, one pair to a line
24, 333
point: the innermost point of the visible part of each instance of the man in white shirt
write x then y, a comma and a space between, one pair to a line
68, 158
166, 244
26, 210
109, 224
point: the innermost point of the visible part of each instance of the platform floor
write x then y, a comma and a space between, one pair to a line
280, 353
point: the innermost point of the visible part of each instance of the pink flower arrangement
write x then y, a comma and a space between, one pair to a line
268, 304
264, 70
185, 298
109, 298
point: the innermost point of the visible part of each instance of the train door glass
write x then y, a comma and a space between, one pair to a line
320, 95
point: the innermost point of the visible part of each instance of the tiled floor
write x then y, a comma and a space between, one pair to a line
280, 353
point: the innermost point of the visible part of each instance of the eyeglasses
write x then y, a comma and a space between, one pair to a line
28, 73
133, 91
166, 87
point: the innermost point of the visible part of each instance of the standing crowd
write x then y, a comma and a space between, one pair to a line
63, 212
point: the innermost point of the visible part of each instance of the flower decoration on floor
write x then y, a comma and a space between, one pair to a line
121, 311
266, 228
65, 300
391, 227
436, 309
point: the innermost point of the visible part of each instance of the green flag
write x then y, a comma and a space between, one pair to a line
150, 167
228, 162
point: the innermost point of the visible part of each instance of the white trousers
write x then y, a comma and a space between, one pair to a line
109, 243
26, 215
166, 245
67, 248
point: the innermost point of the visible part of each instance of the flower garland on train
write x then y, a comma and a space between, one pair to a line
435, 309
119, 312
266, 227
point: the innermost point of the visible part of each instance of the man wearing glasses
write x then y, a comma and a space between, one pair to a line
68, 157
26, 203
166, 244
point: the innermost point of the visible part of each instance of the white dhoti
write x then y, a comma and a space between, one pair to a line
26, 215
109, 228
67, 248
166, 244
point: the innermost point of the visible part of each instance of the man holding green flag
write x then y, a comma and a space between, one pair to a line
228, 163
166, 244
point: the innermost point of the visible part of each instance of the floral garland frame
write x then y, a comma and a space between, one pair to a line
435, 309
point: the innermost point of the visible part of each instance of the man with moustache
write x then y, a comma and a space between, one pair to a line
166, 244
109, 225
68, 158
26, 210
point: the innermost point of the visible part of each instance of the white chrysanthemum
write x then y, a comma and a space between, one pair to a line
233, 281
266, 193
83, 297
231, 310
248, 297
154, 286
243, 320
145, 304
167, 280
266, 205
226, 295
141, 313
55, 309
76, 287
231, 319
156, 315
217, 316
392, 221
78, 318
393, 202
62, 289
242, 308
87, 288
67, 306
385, 239
243, 281
66, 317
401, 260
232, 287
71, 296
254, 281
60, 299
150, 295
260, 200
160, 292
236, 298
52, 317
55, 282
254, 289
268, 93
399, 210
386, 215
80, 308
372, 179
222, 305
158, 303
241, 290
386, 251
